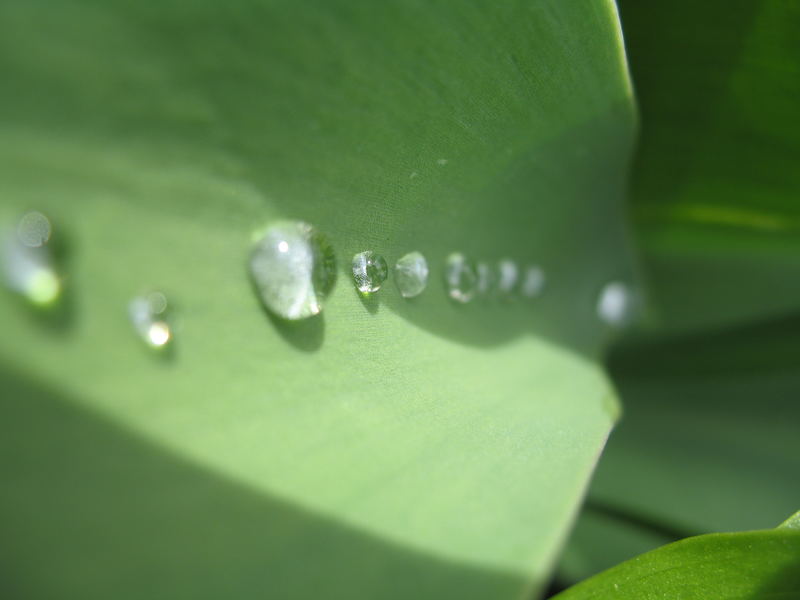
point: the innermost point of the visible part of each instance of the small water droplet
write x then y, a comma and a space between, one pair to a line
33, 229
294, 269
615, 304
508, 275
533, 281
411, 274
149, 314
28, 263
369, 271
485, 278
442, 161
460, 277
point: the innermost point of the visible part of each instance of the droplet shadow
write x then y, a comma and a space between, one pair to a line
306, 335
370, 301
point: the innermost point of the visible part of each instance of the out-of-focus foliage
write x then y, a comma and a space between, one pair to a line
715, 182
709, 440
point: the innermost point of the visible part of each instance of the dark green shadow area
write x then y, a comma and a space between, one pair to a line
88, 510
708, 442
682, 56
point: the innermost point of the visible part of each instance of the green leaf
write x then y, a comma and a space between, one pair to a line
715, 180
387, 449
727, 566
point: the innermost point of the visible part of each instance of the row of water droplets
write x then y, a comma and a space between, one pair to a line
293, 267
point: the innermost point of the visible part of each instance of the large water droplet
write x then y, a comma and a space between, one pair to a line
369, 271
149, 314
508, 276
532, 281
411, 274
294, 269
28, 263
615, 304
460, 277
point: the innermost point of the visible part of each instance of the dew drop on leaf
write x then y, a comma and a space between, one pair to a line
149, 314
460, 278
369, 271
508, 276
28, 262
485, 278
533, 281
294, 268
615, 304
411, 274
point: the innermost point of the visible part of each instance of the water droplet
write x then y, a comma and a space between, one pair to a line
485, 278
149, 314
28, 263
532, 282
369, 271
294, 269
615, 304
508, 275
411, 274
33, 229
460, 277
442, 161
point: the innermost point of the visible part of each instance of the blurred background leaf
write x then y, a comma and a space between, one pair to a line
715, 180
387, 449
709, 439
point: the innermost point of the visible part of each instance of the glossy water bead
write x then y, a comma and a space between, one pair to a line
533, 281
411, 274
369, 271
149, 315
460, 278
508, 276
294, 268
615, 304
27, 261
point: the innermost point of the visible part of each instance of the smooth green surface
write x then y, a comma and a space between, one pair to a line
751, 565
714, 416
715, 180
387, 449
